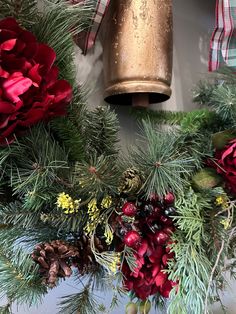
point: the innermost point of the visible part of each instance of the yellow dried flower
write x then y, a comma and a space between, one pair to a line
66, 202
108, 234
92, 206
106, 202
115, 263
219, 200
226, 223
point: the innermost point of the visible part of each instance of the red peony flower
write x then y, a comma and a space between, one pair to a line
226, 165
29, 89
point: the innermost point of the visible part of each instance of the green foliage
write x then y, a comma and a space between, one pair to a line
102, 132
224, 102
199, 262
65, 223
82, 302
25, 11
190, 219
220, 96
19, 277
98, 176
203, 120
165, 167
15, 214
34, 163
159, 116
70, 130
5, 309
191, 267
56, 25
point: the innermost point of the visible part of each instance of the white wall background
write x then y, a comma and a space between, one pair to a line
193, 24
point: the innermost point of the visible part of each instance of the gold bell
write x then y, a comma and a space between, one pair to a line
138, 49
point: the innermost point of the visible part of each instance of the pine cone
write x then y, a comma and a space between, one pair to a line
55, 260
131, 181
86, 262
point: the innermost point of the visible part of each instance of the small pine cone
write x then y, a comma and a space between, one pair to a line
86, 262
131, 181
55, 259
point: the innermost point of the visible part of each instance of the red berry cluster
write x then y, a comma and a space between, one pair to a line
149, 235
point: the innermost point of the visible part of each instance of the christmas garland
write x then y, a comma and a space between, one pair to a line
158, 224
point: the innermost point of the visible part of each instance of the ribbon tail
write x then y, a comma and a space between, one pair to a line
86, 39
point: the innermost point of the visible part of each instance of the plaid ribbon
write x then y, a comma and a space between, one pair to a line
86, 39
223, 41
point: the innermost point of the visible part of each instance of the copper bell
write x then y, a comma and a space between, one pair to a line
138, 49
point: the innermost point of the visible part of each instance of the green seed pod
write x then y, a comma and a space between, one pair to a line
206, 179
221, 139
131, 308
145, 307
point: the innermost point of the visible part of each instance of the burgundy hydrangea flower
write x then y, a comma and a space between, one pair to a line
148, 277
29, 87
226, 165
152, 252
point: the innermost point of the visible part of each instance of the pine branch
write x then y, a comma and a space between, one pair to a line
34, 163
56, 27
102, 132
19, 277
70, 130
165, 167
82, 303
15, 214
159, 116
65, 223
220, 96
5, 309
25, 11
98, 176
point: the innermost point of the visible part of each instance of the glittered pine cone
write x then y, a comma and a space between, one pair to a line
29, 87
55, 260
86, 262
131, 181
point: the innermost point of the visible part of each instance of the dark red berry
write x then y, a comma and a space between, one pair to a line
132, 239
129, 209
169, 198
153, 197
166, 220
161, 237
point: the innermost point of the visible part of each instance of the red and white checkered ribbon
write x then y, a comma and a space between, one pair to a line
87, 39
223, 41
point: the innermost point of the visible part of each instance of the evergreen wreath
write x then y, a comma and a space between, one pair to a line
159, 223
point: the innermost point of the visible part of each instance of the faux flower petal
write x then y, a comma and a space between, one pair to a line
15, 86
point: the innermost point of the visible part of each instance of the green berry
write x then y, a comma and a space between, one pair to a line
145, 307
131, 308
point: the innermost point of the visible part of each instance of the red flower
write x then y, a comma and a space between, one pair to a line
29, 89
148, 277
226, 165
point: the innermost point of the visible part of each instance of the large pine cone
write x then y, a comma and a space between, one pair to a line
86, 262
55, 260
